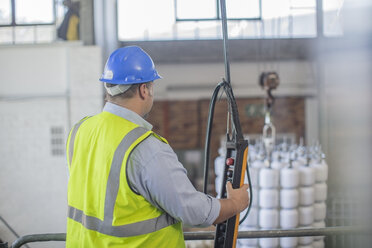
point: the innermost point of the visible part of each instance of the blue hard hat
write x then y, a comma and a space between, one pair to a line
129, 65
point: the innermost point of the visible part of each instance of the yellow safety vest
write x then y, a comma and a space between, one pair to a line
103, 211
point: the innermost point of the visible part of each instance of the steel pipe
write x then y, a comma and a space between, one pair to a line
38, 238
298, 232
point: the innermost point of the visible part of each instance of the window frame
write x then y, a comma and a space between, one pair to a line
218, 16
318, 19
320, 33
13, 18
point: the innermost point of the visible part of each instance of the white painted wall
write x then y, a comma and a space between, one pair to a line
195, 81
41, 86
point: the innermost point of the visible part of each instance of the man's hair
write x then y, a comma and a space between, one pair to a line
129, 93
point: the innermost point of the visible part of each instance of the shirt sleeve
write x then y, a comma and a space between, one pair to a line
155, 172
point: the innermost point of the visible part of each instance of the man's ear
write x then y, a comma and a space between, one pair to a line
142, 91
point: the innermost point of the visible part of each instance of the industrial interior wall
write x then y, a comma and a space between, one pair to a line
194, 84
184, 122
44, 90
182, 101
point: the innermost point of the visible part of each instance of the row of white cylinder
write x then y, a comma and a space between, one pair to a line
288, 177
287, 198
284, 197
285, 242
286, 218
278, 177
290, 198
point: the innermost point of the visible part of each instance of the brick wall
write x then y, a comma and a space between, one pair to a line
183, 123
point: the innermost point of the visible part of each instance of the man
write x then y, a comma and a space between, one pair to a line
69, 28
126, 186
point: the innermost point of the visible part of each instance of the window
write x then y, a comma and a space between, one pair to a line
34, 12
194, 10
143, 20
25, 21
5, 13
332, 17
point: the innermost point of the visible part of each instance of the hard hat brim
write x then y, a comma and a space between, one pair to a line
145, 80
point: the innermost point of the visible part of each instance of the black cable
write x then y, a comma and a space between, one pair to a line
231, 99
234, 110
239, 133
208, 135
11, 229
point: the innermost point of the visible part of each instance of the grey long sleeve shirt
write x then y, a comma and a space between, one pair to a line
155, 173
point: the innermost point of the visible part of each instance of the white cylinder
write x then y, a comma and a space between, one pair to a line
268, 218
321, 171
219, 166
288, 218
253, 172
269, 178
269, 242
319, 224
307, 175
318, 244
269, 198
320, 210
289, 178
320, 191
258, 164
277, 165
247, 242
285, 156
307, 240
289, 198
252, 218
276, 155
288, 242
306, 196
255, 196
305, 246
298, 163
306, 215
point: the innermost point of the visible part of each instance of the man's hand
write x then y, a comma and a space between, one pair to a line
237, 200
238, 196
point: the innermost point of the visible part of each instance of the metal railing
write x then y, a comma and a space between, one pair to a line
298, 232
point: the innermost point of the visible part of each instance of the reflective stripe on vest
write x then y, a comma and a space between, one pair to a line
105, 226
72, 139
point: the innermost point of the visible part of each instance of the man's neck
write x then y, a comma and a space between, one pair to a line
131, 105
